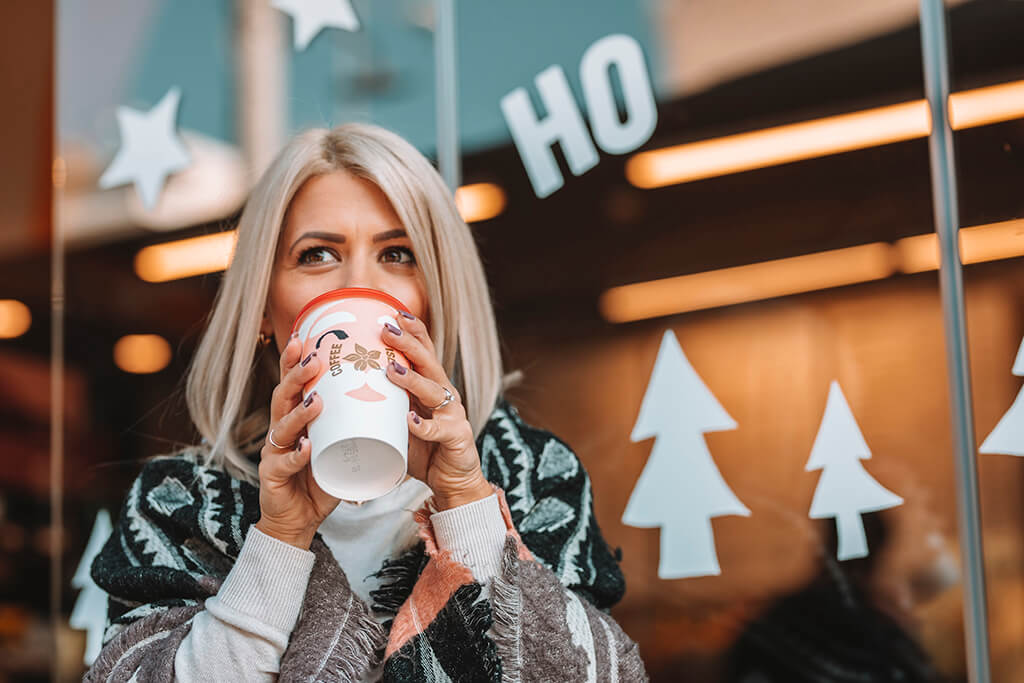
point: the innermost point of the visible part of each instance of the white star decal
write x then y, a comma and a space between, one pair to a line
150, 149
309, 17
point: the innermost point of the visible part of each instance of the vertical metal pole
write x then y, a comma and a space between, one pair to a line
261, 57
56, 425
58, 170
935, 53
446, 93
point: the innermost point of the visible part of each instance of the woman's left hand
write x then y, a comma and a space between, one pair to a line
442, 450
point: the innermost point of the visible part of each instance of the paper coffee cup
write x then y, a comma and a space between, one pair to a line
360, 439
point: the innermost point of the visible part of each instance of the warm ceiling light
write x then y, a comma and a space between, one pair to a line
752, 282
142, 353
479, 201
59, 173
820, 137
919, 253
186, 258
978, 244
992, 242
983, 106
212, 253
779, 145
770, 279
15, 318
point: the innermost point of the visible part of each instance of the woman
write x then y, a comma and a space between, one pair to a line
230, 563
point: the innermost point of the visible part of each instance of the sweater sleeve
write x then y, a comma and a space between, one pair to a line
197, 593
246, 626
474, 535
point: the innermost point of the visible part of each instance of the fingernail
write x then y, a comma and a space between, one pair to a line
309, 400
300, 444
308, 358
407, 314
393, 329
415, 417
398, 368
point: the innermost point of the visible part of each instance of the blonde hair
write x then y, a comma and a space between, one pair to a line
230, 380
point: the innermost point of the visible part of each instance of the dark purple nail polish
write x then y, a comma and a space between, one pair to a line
415, 418
305, 361
309, 400
394, 330
407, 314
398, 368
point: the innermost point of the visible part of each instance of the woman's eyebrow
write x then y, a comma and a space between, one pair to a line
389, 235
329, 236
340, 239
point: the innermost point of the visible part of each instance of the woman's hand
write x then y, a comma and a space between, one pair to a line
292, 505
442, 450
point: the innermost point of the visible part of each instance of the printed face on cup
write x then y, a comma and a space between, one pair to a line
347, 338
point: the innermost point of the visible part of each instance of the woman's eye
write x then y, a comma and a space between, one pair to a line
315, 250
319, 255
403, 254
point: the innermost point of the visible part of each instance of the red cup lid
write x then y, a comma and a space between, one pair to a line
350, 292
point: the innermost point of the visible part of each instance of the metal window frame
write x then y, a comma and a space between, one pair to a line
935, 54
935, 59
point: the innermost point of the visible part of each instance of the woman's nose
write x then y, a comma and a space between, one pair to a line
358, 274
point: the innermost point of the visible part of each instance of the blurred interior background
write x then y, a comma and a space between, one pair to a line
778, 272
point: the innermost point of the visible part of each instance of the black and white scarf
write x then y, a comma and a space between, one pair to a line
182, 525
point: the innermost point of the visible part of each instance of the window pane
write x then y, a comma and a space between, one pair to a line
233, 80
987, 78
694, 309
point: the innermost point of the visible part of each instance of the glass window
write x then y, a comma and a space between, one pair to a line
987, 79
727, 316
708, 232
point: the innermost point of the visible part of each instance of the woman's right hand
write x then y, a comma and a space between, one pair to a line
292, 505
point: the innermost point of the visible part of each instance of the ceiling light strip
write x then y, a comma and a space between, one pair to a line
819, 137
799, 274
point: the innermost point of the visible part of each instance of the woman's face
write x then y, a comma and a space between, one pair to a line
340, 231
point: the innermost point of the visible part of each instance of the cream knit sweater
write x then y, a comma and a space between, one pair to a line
246, 626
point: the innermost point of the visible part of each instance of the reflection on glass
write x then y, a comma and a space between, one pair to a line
778, 222
989, 177
143, 251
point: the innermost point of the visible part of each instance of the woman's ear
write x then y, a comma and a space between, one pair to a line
266, 327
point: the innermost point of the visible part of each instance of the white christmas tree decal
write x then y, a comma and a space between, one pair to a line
90, 611
1008, 436
680, 488
845, 489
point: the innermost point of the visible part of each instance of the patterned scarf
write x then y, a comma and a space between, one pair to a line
183, 524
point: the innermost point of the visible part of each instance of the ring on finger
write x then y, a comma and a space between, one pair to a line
448, 398
270, 438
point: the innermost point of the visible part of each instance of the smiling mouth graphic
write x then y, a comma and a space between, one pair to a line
366, 393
